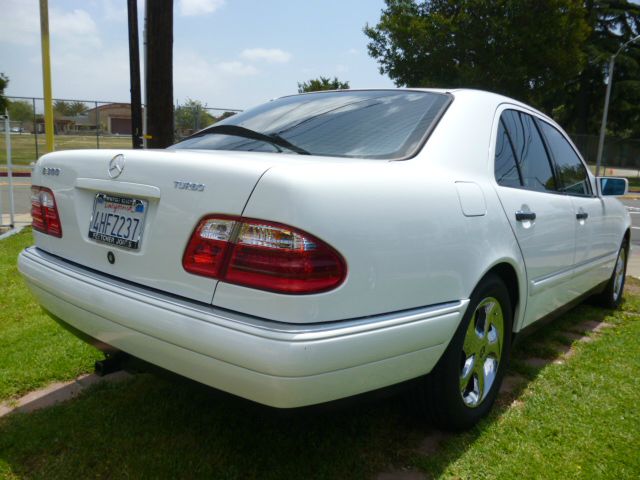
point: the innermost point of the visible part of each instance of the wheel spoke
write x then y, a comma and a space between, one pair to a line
493, 347
472, 343
479, 376
467, 372
489, 310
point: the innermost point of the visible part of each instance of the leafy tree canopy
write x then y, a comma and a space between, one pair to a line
552, 54
193, 115
322, 83
69, 109
612, 23
527, 49
4, 82
20, 111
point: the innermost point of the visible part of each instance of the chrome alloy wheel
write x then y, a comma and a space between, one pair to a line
481, 352
618, 276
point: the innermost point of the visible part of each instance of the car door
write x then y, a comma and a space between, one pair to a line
541, 217
595, 243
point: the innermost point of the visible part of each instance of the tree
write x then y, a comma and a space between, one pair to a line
612, 23
4, 82
20, 111
61, 108
527, 49
322, 83
69, 109
192, 115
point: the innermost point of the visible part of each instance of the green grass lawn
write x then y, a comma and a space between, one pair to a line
34, 350
574, 419
23, 149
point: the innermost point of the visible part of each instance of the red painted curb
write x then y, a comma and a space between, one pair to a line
16, 174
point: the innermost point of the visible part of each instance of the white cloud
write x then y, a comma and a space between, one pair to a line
74, 28
20, 23
70, 29
199, 7
114, 12
353, 51
237, 68
271, 55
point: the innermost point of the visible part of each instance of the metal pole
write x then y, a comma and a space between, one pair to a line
46, 74
605, 113
7, 128
97, 126
144, 72
35, 127
134, 74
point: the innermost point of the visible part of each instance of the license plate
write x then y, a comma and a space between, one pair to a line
118, 221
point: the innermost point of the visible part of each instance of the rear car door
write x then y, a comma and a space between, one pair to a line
594, 241
541, 217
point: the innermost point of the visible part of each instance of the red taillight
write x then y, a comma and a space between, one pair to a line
263, 255
44, 212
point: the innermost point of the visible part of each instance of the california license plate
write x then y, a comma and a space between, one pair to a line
117, 220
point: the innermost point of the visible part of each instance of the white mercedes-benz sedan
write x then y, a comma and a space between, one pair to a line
324, 245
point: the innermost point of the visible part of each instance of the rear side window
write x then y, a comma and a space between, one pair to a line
571, 171
506, 168
372, 124
530, 153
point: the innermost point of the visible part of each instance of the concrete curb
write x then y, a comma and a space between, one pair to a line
11, 232
58, 392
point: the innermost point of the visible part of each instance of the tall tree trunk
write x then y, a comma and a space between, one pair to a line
159, 73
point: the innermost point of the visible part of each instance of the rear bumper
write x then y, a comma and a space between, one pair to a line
278, 364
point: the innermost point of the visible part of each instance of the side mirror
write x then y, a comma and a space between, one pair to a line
613, 186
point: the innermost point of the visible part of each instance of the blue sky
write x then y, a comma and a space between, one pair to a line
227, 53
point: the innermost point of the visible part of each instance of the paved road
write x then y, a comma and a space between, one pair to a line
634, 209
22, 195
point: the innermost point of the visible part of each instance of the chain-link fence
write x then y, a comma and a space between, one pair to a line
103, 124
617, 153
88, 124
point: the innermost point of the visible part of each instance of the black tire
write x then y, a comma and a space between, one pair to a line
611, 296
440, 395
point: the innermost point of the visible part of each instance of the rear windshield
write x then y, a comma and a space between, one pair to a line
379, 124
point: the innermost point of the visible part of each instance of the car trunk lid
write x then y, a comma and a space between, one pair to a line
167, 192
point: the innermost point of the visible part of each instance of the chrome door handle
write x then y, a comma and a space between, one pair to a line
582, 216
524, 216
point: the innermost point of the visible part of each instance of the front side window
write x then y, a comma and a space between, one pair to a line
572, 172
533, 162
372, 124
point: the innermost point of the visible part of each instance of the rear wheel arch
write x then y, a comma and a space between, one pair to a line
508, 274
627, 237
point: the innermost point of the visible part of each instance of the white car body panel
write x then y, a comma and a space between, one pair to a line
417, 236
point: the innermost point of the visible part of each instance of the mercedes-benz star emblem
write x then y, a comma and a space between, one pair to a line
116, 166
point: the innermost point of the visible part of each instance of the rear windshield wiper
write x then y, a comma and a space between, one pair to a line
238, 131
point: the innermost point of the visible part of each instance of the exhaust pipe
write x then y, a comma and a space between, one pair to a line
112, 363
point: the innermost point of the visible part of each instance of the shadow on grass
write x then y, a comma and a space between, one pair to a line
550, 344
152, 427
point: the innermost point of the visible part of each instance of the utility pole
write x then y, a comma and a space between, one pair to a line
46, 74
605, 111
159, 73
134, 74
